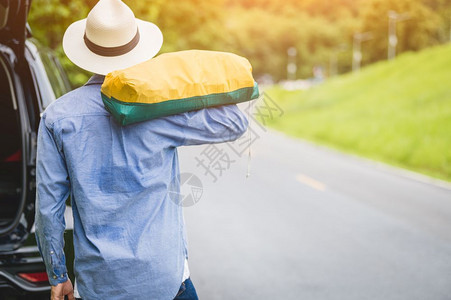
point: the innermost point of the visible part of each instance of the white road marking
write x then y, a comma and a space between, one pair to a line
311, 182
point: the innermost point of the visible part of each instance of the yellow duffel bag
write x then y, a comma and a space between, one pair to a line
178, 82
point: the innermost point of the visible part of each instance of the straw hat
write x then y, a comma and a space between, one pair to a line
111, 38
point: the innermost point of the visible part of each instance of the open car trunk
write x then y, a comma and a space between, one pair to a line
13, 131
11, 164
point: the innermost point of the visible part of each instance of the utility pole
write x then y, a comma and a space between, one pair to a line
359, 38
393, 19
333, 67
291, 65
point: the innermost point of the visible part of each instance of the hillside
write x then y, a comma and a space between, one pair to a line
398, 112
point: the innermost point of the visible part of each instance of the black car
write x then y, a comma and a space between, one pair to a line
30, 79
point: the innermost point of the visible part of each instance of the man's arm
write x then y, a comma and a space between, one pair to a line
209, 125
53, 187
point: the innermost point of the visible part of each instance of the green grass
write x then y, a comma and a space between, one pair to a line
398, 112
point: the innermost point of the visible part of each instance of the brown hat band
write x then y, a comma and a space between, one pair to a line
112, 51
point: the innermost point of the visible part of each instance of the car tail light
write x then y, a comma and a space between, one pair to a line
34, 277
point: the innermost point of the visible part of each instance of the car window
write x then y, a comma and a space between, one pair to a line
51, 81
54, 72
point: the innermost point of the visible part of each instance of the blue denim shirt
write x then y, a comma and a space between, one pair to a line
129, 236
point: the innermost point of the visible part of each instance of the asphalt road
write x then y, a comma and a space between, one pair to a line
311, 223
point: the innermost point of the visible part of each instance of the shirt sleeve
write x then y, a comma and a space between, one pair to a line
210, 125
53, 188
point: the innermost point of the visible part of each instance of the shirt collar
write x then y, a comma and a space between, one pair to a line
95, 79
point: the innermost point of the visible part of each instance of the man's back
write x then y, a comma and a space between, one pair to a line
128, 234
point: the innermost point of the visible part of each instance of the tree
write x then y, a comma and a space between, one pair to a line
263, 30
418, 31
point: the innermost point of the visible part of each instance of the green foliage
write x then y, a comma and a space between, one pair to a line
49, 19
414, 33
263, 30
397, 112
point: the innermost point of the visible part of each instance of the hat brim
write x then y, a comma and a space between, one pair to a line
151, 40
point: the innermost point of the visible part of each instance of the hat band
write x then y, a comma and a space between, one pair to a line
112, 51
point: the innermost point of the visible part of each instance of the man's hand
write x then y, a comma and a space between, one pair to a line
61, 290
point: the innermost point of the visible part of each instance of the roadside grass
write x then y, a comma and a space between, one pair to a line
398, 112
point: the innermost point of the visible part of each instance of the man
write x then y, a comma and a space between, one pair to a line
129, 237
